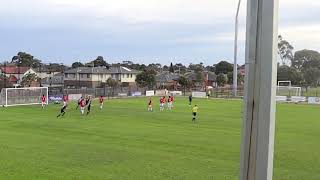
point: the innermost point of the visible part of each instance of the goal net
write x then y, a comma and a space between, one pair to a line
22, 96
284, 88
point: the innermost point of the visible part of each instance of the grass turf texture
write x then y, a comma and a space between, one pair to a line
124, 141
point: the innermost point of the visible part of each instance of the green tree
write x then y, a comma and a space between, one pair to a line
230, 78
171, 69
223, 67
182, 69
199, 75
157, 67
165, 68
211, 68
221, 80
112, 83
25, 59
240, 78
196, 67
77, 64
305, 59
184, 82
286, 73
99, 61
285, 50
146, 78
4, 81
311, 76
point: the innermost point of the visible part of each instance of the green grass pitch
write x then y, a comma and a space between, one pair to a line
124, 141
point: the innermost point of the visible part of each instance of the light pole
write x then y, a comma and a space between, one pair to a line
235, 64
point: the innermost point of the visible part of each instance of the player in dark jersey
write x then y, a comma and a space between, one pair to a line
190, 100
63, 110
150, 105
88, 103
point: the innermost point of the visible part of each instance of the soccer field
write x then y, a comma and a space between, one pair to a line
124, 141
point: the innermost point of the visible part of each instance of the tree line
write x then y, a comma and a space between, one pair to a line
301, 67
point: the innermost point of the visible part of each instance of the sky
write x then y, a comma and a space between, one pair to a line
143, 31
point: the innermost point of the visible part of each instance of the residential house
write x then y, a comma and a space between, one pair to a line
45, 72
15, 74
56, 81
91, 77
167, 80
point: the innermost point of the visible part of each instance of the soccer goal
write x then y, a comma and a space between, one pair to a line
284, 88
22, 96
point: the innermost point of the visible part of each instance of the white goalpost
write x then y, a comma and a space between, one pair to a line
285, 88
23, 96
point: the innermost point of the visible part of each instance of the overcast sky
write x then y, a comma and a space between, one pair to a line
144, 31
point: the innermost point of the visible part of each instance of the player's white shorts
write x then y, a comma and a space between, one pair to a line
64, 103
43, 103
101, 103
170, 104
161, 104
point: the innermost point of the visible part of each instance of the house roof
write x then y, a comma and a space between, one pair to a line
12, 78
102, 70
14, 69
46, 69
166, 77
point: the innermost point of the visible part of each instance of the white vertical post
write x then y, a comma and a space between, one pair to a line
6, 97
257, 145
47, 95
235, 63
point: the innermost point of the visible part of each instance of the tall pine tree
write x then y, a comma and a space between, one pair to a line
171, 69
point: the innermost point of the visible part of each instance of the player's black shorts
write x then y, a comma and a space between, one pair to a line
194, 114
89, 107
63, 109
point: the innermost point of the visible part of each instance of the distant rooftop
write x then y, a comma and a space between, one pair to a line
102, 70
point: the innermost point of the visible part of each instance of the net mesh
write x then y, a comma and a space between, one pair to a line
288, 91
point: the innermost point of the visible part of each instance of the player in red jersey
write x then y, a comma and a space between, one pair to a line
43, 101
161, 104
101, 102
172, 99
65, 100
150, 105
82, 105
164, 100
169, 105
